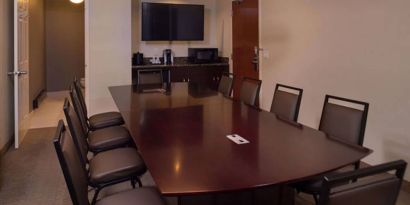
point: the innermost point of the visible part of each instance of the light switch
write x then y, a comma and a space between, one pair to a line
266, 53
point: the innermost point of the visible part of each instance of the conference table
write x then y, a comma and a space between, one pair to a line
182, 134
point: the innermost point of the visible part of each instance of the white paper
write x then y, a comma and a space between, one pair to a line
237, 139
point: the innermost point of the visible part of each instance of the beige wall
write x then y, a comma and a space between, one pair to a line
180, 48
6, 65
224, 28
37, 49
349, 48
64, 43
108, 51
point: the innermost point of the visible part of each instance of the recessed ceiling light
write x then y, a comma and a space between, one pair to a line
77, 1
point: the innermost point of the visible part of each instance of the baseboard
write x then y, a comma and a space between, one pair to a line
37, 100
6, 146
58, 94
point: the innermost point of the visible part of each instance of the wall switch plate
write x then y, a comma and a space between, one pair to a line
237, 139
266, 54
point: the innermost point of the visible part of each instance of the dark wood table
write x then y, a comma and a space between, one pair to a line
181, 134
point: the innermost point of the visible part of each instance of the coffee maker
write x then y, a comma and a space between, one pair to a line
138, 59
168, 57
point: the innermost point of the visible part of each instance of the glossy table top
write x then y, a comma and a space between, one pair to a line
181, 135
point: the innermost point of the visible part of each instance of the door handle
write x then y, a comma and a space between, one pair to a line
255, 59
18, 73
22, 73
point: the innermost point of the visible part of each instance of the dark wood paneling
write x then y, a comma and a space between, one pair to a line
245, 36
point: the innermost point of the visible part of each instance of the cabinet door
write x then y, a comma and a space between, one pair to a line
209, 75
217, 72
199, 75
179, 74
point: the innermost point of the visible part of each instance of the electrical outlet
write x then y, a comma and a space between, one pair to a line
237, 139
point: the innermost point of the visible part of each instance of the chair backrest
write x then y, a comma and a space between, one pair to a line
149, 77
79, 137
285, 103
75, 99
74, 173
79, 92
250, 91
226, 84
343, 121
374, 186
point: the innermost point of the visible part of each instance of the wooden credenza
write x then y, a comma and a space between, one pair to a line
209, 74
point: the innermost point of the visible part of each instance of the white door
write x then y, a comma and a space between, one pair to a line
21, 70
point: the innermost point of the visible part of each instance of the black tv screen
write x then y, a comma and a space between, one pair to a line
172, 22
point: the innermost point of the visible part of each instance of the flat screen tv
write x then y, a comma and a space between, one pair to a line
172, 22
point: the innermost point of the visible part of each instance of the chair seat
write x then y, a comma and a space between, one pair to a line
314, 186
140, 196
104, 120
108, 138
116, 164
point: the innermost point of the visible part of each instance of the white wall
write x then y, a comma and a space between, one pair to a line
349, 48
180, 48
6, 65
108, 51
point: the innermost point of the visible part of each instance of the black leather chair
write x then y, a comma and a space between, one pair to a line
286, 104
150, 77
77, 181
226, 84
372, 185
97, 121
102, 139
344, 123
108, 167
250, 89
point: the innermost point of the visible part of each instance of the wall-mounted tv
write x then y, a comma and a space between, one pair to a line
172, 22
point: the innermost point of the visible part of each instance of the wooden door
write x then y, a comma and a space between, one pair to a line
245, 36
21, 70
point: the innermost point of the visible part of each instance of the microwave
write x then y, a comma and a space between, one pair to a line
203, 55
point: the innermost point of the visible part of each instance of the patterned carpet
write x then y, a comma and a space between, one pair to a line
31, 175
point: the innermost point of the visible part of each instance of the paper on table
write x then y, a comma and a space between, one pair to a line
237, 139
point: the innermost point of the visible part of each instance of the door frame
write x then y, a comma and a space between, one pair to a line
87, 50
260, 42
15, 78
21, 126
261, 49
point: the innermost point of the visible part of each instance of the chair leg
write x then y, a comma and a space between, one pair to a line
97, 191
133, 183
179, 200
316, 199
253, 197
280, 194
139, 182
356, 167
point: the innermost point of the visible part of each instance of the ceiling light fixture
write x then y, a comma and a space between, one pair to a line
77, 1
